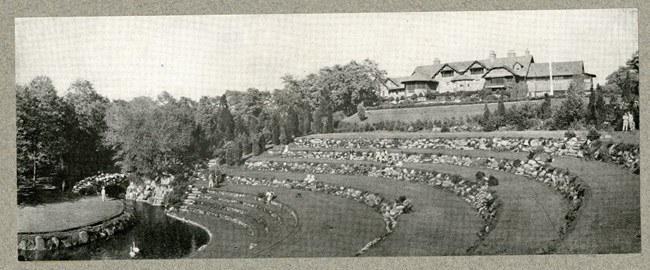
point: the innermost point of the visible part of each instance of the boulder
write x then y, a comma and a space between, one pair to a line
39, 243
66, 243
83, 237
22, 245
55, 242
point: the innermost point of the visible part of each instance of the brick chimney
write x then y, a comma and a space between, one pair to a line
493, 55
436, 61
511, 53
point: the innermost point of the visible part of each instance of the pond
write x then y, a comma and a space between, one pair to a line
156, 235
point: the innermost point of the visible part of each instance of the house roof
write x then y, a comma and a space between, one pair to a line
397, 81
499, 72
463, 66
559, 69
418, 77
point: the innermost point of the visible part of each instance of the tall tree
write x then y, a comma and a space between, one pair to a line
40, 122
226, 120
571, 110
86, 154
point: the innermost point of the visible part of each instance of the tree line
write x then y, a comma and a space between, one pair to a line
72, 136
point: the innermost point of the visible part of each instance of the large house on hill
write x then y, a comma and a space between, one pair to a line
493, 73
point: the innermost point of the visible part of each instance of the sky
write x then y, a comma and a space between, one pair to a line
194, 56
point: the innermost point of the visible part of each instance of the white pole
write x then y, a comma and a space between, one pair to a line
550, 70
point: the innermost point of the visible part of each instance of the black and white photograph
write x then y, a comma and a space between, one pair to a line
382, 134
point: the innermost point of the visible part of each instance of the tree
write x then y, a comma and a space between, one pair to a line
283, 136
152, 138
317, 124
233, 153
245, 141
486, 113
86, 155
487, 121
293, 123
226, 120
40, 121
571, 110
275, 129
545, 111
626, 78
361, 112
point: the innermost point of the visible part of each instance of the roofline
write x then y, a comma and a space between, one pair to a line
504, 67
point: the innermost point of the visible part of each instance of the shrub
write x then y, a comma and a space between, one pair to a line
479, 175
361, 112
493, 181
593, 134
569, 134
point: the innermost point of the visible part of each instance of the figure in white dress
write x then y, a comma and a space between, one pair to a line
626, 121
103, 194
630, 119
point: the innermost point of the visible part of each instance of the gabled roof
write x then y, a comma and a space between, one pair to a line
559, 69
397, 81
500, 72
418, 77
461, 67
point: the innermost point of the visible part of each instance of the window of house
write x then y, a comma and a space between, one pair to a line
497, 81
476, 71
518, 66
447, 73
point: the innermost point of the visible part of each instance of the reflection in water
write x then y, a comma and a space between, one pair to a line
156, 235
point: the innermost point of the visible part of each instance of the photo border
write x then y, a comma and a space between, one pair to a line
64, 8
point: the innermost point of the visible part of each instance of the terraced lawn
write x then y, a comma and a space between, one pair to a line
610, 218
58, 217
442, 224
329, 226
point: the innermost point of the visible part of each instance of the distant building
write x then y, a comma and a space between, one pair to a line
492, 73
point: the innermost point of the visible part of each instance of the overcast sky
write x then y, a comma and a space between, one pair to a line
194, 56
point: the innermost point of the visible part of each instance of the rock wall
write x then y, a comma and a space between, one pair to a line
77, 236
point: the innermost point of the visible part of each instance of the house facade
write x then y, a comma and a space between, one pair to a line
492, 73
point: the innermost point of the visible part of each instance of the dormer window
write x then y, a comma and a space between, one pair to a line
518, 66
476, 71
448, 73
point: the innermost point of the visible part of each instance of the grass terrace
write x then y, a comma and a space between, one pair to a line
58, 217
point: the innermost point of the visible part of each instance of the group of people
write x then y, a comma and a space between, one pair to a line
269, 195
628, 122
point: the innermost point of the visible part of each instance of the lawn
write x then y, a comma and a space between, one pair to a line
529, 219
67, 215
610, 218
442, 224
329, 226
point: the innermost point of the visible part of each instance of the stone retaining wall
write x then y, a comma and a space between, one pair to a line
77, 236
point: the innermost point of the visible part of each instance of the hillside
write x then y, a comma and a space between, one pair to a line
432, 113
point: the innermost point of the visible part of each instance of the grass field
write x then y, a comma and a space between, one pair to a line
328, 225
443, 224
610, 218
58, 217
433, 113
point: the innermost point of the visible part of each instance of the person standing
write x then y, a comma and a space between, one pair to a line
626, 121
630, 119
103, 194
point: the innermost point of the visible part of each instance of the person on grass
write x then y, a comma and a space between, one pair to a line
103, 194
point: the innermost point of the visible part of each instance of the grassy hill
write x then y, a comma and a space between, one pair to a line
432, 113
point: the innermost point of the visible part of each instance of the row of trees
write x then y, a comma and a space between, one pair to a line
60, 135
80, 133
